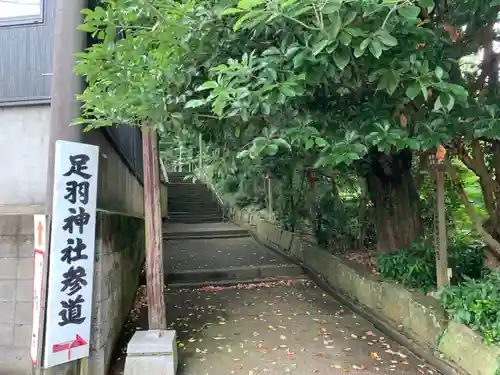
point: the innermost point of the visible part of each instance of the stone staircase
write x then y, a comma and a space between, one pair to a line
202, 248
191, 203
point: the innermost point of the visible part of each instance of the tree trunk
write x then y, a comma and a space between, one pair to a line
489, 179
398, 219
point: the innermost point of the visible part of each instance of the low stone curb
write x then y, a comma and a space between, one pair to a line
416, 320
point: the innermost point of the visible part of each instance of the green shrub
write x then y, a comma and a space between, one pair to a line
245, 201
335, 224
231, 184
476, 303
415, 267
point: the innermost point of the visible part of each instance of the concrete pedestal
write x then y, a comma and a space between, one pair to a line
152, 352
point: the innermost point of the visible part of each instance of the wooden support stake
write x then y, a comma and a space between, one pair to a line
179, 167
270, 195
200, 144
152, 213
442, 251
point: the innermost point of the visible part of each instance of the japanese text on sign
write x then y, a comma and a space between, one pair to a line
72, 248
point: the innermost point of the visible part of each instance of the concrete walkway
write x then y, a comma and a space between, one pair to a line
277, 329
273, 322
288, 326
215, 253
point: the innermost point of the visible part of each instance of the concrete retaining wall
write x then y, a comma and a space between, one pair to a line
417, 316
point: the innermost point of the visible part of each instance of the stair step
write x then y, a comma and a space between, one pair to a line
183, 210
190, 196
234, 273
188, 184
180, 207
194, 215
196, 220
229, 283
202, 230
197, 203
204, 236
190, 202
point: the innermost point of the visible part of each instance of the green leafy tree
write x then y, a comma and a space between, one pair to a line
329, 85
337, 72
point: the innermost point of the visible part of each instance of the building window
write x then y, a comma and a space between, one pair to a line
15, 12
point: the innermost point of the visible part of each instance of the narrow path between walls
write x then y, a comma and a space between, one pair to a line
240, 308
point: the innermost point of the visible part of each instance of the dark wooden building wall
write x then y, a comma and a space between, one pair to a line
26, 74
26, 59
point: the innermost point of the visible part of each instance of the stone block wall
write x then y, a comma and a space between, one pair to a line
119, 258
119, 247
16, 292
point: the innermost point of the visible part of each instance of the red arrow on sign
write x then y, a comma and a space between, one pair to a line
39, 229
56, 348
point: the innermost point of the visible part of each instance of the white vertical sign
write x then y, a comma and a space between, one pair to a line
40, 241
72, 247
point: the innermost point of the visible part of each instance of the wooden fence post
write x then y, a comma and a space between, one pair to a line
152, 213
200, 144
269, 195
443, 278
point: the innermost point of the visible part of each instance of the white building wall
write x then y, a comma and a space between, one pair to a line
24, 136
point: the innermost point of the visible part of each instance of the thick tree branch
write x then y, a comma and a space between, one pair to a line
492, 243
489, 68
495, 150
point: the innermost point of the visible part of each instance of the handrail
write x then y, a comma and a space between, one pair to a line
213, 190
164, 171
